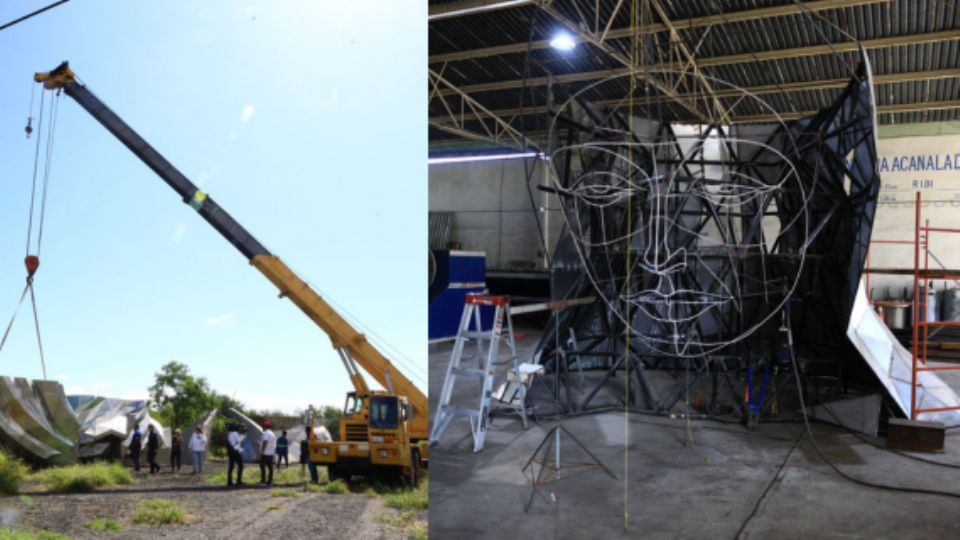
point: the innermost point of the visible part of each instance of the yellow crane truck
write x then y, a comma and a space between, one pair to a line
383, 433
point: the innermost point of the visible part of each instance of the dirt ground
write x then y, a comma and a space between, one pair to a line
214, 511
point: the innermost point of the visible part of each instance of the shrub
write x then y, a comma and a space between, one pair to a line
104, 524
12, 470
83, 478
159, 512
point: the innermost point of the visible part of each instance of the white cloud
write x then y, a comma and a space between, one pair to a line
218, 320
247, 114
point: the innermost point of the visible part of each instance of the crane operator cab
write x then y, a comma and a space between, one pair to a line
371, 440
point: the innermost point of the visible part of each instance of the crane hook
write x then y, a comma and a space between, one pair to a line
32, 262
29, 128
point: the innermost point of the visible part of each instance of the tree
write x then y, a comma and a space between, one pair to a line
180, 398
332, 416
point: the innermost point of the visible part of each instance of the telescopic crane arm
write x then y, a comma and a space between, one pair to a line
350, 344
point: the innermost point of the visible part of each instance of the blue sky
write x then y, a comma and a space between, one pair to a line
304, 120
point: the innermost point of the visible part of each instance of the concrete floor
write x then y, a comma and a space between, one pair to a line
700, 480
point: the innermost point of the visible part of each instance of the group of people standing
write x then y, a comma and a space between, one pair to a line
273, 451
197, 445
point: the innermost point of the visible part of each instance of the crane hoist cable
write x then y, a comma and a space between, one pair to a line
32, 260
29, 128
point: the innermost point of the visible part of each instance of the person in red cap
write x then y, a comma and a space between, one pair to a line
268, 450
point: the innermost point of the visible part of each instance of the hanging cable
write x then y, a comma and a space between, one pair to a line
51, 130
36, 325
6, 332
33, 93
36, 165
36, 216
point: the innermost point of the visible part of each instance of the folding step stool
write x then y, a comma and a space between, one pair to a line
479, 416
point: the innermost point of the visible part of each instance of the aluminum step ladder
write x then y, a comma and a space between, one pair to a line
488, 344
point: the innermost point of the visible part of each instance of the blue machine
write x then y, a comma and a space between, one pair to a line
456, 274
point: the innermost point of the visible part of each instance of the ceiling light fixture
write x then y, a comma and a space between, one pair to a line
563, 42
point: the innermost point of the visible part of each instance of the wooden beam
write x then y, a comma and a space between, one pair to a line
696, 22
762, 56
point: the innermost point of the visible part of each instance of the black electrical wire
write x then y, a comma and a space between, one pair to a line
773, 480
832, 465
865, 440
837, 470
33, 14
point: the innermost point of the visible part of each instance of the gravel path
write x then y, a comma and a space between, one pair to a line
214, 511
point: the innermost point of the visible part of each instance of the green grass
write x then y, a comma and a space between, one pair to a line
104, 525
273, 507
283, 493
289, 475
12, 470
19, 534
405, 521
337, 486
82, 478
405, 499
418, 531
401, 521
314, 488
216, 478
159, 512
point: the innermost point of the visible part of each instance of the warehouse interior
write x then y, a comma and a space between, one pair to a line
694, 267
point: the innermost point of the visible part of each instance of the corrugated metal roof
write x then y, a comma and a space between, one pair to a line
519, 25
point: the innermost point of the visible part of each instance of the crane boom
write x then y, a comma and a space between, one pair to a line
343, 336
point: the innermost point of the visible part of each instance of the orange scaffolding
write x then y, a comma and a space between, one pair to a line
920, 349
921, 325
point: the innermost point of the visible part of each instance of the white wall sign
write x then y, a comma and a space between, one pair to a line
928, 164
